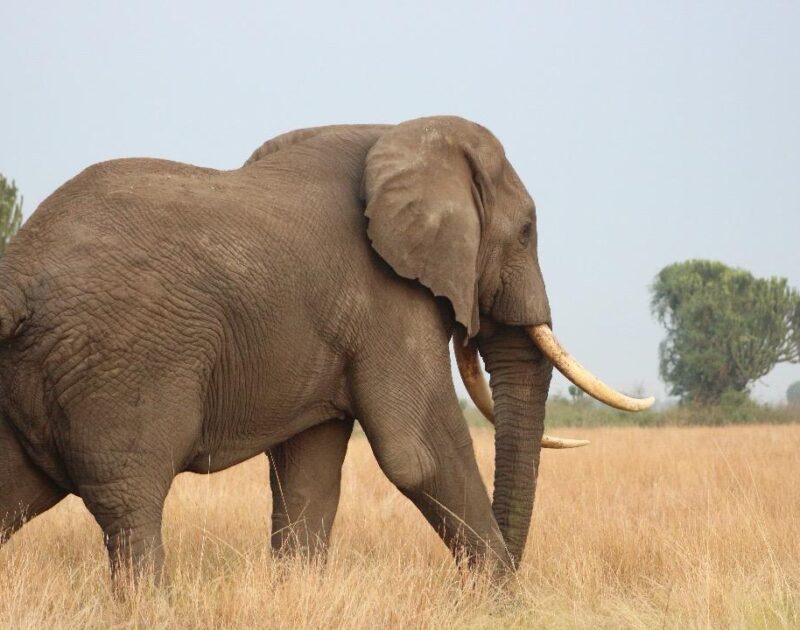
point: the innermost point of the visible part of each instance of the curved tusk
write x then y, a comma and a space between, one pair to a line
472, 375
551, 441
565, 363
480, 393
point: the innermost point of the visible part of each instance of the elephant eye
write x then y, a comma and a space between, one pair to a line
525, 234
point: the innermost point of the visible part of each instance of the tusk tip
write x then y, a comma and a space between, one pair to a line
642, 404
551, 441
563, 361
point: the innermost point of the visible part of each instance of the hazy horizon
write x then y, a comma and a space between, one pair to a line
646, 134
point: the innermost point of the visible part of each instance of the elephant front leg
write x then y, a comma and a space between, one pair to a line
305, 476
421, 441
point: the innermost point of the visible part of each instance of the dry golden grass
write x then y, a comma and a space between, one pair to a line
646, 528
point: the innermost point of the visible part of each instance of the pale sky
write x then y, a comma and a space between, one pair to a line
646, 134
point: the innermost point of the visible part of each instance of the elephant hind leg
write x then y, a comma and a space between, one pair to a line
129, 512
123, 461
125, 473
305, 476
25, 491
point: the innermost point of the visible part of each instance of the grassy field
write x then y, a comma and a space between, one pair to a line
646, 528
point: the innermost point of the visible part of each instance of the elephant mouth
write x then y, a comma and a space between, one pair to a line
466, 352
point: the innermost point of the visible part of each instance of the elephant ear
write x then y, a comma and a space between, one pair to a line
425, 188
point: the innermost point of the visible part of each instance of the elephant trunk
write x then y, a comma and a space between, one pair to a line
466, 351
520, 378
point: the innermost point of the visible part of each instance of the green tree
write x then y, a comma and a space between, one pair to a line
793, 394
10, 212
725, 328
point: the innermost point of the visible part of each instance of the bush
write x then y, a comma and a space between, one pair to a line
737, 407
793, 394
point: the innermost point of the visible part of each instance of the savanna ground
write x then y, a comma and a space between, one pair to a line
675, 527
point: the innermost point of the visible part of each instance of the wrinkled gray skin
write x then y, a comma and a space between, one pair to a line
157, 317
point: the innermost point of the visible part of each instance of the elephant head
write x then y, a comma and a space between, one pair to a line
446, 208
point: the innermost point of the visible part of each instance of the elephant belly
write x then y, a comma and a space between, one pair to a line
265, 435
284, 393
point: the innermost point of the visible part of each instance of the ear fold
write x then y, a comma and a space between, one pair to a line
423, 188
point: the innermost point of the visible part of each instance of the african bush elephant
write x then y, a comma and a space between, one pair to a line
157, 317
